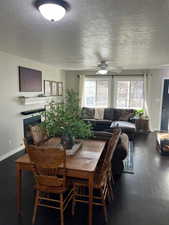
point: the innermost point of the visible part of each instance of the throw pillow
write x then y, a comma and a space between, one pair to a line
125, 116
88, 113
99, 113
109, 114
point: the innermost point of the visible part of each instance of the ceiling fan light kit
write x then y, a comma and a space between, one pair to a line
102, 68
52, 10
102, 72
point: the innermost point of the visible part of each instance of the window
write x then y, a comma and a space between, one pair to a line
129, 93
96, 92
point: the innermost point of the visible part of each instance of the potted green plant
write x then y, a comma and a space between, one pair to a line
64, 120
139, 113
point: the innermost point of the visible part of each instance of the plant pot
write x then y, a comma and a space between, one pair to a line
141, 116
67, 141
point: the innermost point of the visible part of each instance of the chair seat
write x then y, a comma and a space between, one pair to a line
51, 142
98, 183
50, 189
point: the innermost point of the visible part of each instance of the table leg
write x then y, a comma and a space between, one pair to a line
91, 185
18, 188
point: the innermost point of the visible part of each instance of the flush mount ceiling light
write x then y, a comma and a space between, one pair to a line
102, 68
53, 10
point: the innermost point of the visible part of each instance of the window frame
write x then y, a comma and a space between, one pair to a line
105, 78
126, 78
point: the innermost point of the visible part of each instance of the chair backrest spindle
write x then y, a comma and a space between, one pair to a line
112, 144
105, 165
46, 163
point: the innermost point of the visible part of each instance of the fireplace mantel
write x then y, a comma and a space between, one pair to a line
38, 100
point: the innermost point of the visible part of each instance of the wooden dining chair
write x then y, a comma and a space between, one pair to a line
39, 135
49, 169
36, 136
101, 179
112, 144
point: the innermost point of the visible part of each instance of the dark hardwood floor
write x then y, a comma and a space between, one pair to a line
140, 199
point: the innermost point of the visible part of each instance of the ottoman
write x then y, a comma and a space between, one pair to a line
126, 127
163, 142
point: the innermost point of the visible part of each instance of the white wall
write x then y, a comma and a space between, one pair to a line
11, 122
72, 80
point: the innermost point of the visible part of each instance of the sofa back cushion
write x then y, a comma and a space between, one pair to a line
88, 113
112, 114
123, 114
109, 114
101, 125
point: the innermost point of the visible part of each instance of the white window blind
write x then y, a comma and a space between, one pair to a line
96, 92
129, 93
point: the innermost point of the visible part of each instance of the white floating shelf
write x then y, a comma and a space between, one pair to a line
39, 100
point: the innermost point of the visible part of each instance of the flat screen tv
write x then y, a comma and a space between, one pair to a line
30, 80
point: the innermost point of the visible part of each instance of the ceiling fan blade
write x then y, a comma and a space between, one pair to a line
98, 56
116, 69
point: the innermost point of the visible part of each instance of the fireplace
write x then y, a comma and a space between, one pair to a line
34, 120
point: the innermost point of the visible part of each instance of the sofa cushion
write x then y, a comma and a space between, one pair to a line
120, 154
125, 116
123, 144
121, 114
99, 125
102, 135
88, 113
109, 114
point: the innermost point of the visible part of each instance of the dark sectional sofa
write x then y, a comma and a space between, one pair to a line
112, 118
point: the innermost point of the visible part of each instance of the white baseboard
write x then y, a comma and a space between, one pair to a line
12, 152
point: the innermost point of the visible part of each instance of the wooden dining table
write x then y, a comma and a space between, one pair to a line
80, 165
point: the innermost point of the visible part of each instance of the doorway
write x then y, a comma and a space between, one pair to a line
165, 107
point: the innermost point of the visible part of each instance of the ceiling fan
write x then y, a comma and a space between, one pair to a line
103, 68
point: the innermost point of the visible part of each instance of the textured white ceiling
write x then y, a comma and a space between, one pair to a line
131, 34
